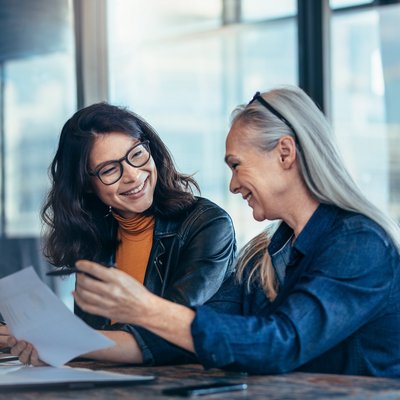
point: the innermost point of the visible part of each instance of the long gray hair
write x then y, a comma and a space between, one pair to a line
320, 164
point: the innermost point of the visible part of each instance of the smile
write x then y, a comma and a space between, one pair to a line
248, 196
136, 190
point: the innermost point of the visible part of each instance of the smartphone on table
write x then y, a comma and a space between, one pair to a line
200, 390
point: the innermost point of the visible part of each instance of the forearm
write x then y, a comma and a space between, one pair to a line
126, 349
170, 321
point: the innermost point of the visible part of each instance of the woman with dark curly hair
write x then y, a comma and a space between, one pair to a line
117, 199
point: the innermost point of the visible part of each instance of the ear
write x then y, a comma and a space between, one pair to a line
287, 151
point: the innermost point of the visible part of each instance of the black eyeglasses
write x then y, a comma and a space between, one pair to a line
274, 111
111, 171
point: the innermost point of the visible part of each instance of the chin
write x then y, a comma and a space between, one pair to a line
136, 209
146, 205
258, 217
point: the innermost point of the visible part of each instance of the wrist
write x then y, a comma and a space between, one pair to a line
151, 312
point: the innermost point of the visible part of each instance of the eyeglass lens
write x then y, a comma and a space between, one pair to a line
136, 157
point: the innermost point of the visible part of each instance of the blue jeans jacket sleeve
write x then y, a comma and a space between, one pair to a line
348, 289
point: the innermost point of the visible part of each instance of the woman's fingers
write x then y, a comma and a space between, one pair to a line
11, 342
4, 335
91, 308
91, 302
106, 292
34, 360
89, 294
4, 330
109, 292
96, 270
96, 279
26, 353
19, 349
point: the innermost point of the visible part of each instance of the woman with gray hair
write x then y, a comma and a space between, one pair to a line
321, 293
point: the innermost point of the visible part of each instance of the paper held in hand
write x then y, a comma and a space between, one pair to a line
35, 314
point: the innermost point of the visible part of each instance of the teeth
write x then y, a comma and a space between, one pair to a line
137, 190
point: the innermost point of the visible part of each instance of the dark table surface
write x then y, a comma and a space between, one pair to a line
288, 386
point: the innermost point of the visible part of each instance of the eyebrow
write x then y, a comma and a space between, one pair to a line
228, 158
103, 163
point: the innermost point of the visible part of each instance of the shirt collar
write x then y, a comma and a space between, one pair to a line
321, 220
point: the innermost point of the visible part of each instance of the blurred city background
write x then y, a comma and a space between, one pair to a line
184, 65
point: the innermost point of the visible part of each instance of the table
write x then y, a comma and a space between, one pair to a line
289, 386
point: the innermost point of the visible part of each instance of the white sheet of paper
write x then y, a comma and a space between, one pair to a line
35, 314
43, 375
11, 366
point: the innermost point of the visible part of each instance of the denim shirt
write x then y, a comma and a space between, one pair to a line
337, 309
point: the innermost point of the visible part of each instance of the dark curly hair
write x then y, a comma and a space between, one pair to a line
74, 215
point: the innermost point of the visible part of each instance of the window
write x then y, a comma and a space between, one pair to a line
38, 93
184, 69
365, 89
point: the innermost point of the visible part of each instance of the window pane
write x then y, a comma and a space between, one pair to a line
186, 84
347, 3
256, 10
366, 88
38, 95
137, 22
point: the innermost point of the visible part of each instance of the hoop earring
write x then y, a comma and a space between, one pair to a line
109, 212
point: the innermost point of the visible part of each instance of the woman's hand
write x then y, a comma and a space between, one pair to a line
4, 336
26, 353
116, 295
111, 293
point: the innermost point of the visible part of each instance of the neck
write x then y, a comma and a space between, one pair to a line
297, 216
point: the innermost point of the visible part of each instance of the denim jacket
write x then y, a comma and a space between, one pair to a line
191, 257
337, 309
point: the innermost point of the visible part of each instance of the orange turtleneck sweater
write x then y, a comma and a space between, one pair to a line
136, 236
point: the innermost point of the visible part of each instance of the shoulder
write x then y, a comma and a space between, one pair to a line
349, 223
355, 244
204, 213
329, 223
203, 208
201, 215
203, 205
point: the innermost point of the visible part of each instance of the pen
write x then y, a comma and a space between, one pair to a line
8, 358
64, 271
72, 270
5, 350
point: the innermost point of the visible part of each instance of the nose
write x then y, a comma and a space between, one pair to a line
129, 173
233, 185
